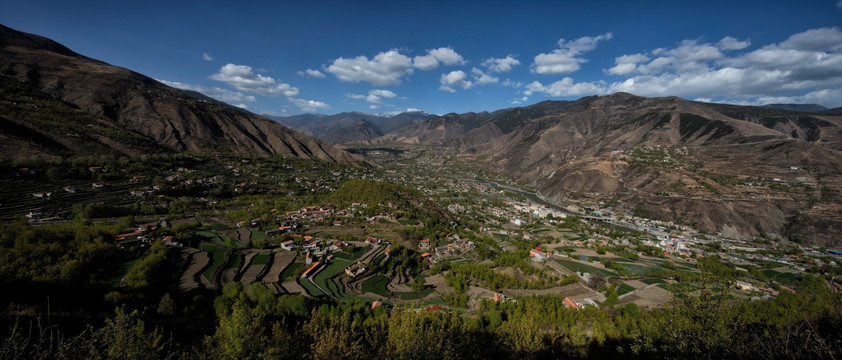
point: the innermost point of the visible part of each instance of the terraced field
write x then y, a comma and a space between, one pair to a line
280, 262
217, 256
337, 266
255, 268
779, 276
576, 266
290, 270
198, 261
17, 196
377, 285
624, 289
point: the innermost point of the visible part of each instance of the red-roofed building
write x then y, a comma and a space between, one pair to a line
536, 254
310, 270
424, 244
570, 304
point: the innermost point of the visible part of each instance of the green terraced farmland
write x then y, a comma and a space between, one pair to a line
624, 289
414, 295
217, 254
377, 285
260, 259
310, 288
290, 270
579, 267
336, 266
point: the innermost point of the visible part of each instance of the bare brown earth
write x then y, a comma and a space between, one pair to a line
438, 283
250, 274
649, 296
293, 287
198, 261
282, 259
576, 292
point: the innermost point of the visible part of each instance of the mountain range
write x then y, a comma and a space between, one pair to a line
57, 103
330, 127
740, 171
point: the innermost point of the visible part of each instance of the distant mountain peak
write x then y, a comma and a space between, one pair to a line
798, 107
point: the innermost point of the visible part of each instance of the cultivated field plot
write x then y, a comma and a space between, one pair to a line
198, 261
576, 266
217, 256
310, 288
624, 289
17, 198
377, 285
336, 266
779, 276
358, 252
289, 271
255, 268
220, 239
636, 268
281, 260
651, 296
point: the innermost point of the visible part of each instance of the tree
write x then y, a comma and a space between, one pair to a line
631, 310
125, 337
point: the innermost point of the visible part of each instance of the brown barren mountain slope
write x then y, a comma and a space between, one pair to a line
680, 160
138, 106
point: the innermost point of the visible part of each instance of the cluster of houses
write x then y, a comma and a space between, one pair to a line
745, 286
455, 246
139, 237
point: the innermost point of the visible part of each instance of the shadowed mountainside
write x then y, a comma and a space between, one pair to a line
122, 105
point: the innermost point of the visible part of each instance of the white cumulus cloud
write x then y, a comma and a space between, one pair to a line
482, 78
385, 69
425, 62
383, 93
729, 43
224, 95
567, 58
444, 55
309, 105
244, 79
806, 67
374, 96
447, 56
207, 57
312, 73
627, 64
566, 87
501, 65
456, 78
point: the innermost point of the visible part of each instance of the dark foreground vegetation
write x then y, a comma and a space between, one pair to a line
149, 321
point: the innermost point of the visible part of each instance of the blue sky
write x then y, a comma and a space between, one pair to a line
285, 58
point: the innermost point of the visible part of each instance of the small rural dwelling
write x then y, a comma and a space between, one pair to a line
536, 255
354, 270
570, 304
742, 285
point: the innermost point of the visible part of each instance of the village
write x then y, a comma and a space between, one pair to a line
245, 221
